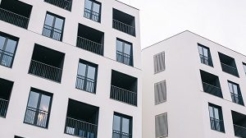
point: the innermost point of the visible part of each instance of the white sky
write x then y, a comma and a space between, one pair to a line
222, 21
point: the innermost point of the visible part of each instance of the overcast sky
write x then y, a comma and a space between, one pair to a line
222, 21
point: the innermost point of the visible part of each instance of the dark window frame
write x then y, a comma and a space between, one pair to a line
207, 60
236, 96
92, 11
123, 51
121, 118
53, 26
40, 92
244, 67
214, 121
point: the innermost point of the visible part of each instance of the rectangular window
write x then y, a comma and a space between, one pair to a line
53, 26
161, 126
5, 93
235, 93
38, 108
216, 118
159, 62
8, 45
122, 126
124, 52
205, 55
244, 67
160, 92
92, 10
86, 77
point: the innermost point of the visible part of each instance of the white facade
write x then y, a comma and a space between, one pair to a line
13, 123
187, 105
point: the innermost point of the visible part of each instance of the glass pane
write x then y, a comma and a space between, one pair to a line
216, 113
96, 7
81, 70
127, 49
59, 23
119, 46
230, 87
205, 52
88, 4
49, 20
116, 123
200, 50
11, 44
244, 67
33, 100
44, 103
91, 72
2, 41
211, 112
125, 125
235, 89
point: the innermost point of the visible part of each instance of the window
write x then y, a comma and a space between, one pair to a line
122, 126
86, 77
216, 118
160, 92
159, 62
5, 92
38, 108
53, 26
8, 46
205, 55
92, 10
235, 93
161, 126
124, 52
244, 67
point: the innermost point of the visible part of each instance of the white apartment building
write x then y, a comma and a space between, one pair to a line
193, 88
69, 68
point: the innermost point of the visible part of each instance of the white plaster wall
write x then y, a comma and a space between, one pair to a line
13, 123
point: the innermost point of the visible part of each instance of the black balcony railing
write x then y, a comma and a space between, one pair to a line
65, 4
206, 60
36, 117
123, 95
118, 134
211, 89
90, 45
85, 84
6, 58
80, 128
217, 124
124, 27
240, 131
3, 107
52, 32
45, 71
229, 69
237, 98
124, 58
13, 18
92, 15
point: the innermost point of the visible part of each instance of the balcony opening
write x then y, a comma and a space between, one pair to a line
239, 122
123, 88
228, 64
90, 39
211, 84
5, 92
64, 4
123, 22
47, 63
15, 12
82, 119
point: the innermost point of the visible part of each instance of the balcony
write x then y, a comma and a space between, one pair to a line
64, 4
206, 60
228, 64
90, 39
47, 63
211, 84
123, 22
123, 88
217, 124
5, 92
81, 120
15, 12
239, 123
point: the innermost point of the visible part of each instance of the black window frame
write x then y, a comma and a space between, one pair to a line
207, 60
131, 63
236, 96
91, 11
120, 132
40, 92
87, 64
53, 26
7, 38
216, 124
